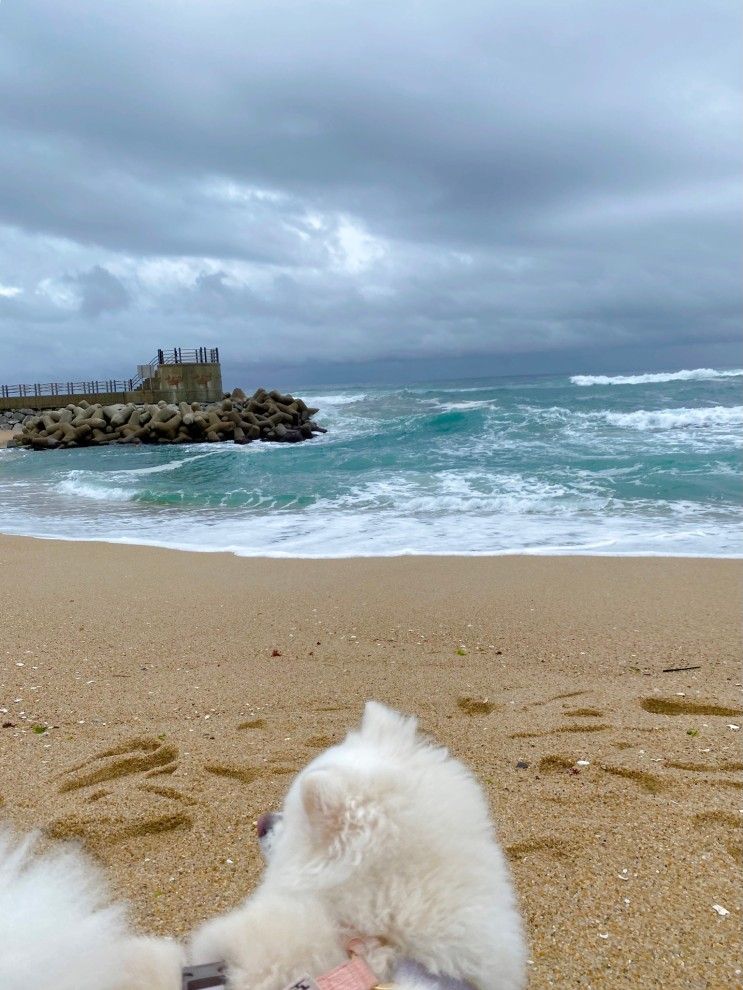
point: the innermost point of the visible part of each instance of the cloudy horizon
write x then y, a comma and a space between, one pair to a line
333, 192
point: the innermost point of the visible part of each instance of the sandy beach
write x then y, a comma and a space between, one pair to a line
154, 702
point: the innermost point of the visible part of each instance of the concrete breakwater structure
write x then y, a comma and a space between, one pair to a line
139, 416
179, 375
263, 416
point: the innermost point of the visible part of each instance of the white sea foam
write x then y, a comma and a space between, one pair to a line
678, 529
677, 419
694, 375
453, 511
101, 493
723, 419
449, 390
464, 405
342, 399
168, 466
449, 494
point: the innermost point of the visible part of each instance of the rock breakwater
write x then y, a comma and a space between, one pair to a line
266, 416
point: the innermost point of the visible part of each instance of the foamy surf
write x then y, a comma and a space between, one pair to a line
680, 419
102, 493
516, 466
695, 375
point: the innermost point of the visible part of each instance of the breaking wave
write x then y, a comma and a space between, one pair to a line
694, 375
677, 419
463, 406
101, 493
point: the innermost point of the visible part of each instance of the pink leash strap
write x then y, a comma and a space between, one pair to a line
352, 975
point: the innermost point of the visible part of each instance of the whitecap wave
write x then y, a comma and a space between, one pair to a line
677, 419
342, 399
722, 418
168, 466
465, 405
693, 375
101, 493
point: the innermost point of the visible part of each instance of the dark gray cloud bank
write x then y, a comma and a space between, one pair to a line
331, 189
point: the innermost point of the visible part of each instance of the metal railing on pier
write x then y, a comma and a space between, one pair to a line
67, 388
178, 355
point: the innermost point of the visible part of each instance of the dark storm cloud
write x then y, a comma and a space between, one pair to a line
338, 182
100, 292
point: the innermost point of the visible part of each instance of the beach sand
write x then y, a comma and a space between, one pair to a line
5, 435
181, 692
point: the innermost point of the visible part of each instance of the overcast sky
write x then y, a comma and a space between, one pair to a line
339, 189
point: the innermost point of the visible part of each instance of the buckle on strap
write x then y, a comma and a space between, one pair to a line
202, 977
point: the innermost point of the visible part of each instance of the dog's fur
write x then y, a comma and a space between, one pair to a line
383, 838
387, 838
58, 930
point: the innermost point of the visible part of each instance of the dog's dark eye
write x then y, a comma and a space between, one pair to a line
265, 823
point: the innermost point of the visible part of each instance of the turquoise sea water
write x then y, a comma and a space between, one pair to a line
633, 464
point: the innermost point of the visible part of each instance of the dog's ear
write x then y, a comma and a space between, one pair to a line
383, 725
342, 816
324, 800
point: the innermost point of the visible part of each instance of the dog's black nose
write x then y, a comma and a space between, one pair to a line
265, 823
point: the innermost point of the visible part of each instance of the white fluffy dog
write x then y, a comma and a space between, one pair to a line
385, 839
384, 847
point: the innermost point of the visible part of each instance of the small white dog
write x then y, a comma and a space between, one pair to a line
387, 840
383, 866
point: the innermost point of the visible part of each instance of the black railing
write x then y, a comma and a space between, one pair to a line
178, 355
67, 388
196, 355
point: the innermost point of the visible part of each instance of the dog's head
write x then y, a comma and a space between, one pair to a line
387, 837
372, 803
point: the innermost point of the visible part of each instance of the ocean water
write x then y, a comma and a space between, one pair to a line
637, 464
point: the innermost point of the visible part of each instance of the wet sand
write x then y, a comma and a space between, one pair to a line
157, 701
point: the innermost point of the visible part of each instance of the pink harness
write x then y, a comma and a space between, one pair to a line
357, 975
354, 974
